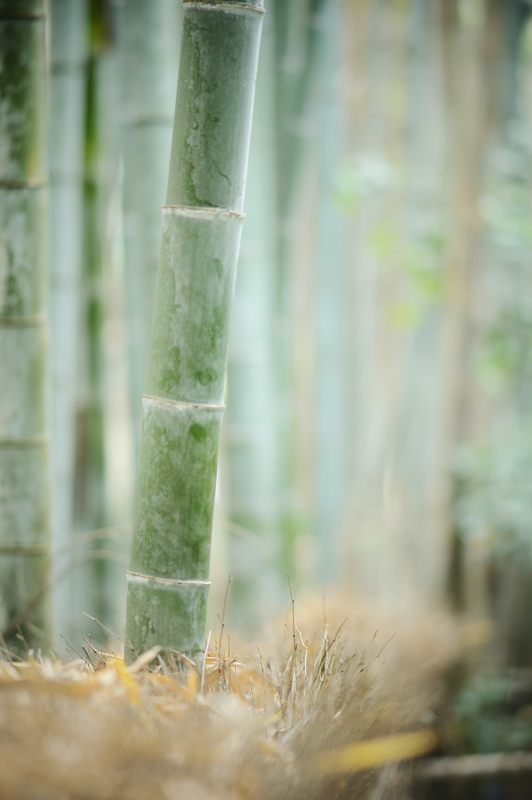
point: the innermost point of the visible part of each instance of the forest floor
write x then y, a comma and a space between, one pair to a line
329, 705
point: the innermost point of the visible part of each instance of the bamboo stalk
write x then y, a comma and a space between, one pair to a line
331, 391
24, 467
250, 438
182, 411
298, 37
91, 496
150, 48
68, 63
94, 589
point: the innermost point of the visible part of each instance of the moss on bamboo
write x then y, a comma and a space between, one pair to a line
168, 579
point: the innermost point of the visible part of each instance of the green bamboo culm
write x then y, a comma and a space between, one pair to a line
168, 579
24, 463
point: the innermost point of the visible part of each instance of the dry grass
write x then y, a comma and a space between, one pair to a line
303, 716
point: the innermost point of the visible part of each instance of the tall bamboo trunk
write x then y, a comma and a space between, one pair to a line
375, 351
91, 494
94, 588
250, 438
331, 391
424, 226
68, 65
467, 136
297, 45
182, 410
149, 39
24, 467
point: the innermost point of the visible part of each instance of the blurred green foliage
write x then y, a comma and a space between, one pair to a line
368, 178
370, 183
487, 717
493, 498
494, 501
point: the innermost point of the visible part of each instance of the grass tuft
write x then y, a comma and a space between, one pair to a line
325, 707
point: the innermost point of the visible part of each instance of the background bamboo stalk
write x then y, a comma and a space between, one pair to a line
463, 56
149, 42
297, 35
375, 343
95, 590
332, 365
418, 310
250, 428
24, 463
168, 578
69, 51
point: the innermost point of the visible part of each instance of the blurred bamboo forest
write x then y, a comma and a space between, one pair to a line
378, 429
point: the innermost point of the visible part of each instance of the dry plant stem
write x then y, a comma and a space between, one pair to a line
24, 464
222, 625
182, 410
477, 765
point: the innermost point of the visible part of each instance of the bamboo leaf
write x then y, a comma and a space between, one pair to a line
376, 752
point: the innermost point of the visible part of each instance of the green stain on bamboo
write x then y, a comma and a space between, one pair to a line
24, 467
182, 410
180, 444
194, 292
212, 124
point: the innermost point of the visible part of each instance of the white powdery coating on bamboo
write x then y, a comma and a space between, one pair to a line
179, 405
202, 212
165, 583
228, 8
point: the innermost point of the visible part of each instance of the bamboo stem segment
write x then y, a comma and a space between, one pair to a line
182, 411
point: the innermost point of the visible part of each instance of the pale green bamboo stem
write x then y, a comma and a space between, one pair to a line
299, 34
95, 592
250, 439
149, 41
373, 388
24, 467
68, 62
420, 386
298, 37
465, 100
92, 515
332, 414
182, 411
